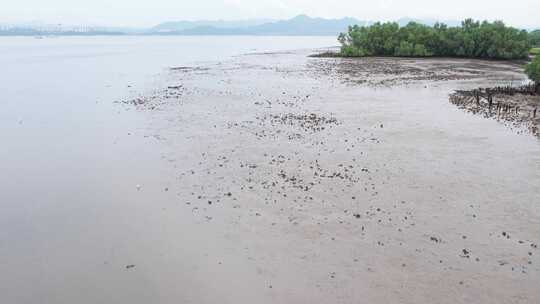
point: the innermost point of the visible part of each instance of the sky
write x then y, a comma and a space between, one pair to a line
142, 13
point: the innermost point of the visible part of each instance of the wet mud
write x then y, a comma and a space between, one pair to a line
517, 106
341, 180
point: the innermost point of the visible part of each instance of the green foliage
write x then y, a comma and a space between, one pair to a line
533, 70
535, 51
534, 38
472, 39
404, 49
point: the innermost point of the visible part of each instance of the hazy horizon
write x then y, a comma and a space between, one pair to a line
142, 13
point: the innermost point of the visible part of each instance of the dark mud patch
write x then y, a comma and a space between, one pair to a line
327, 54
386, 71
188, 69
293, 126
309, 123
291, 101
154, 100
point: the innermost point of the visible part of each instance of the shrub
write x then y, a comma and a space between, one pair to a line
472, 39
534, 38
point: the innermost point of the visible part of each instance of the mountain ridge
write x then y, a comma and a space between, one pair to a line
299, 25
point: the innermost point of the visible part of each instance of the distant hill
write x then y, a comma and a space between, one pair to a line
299, 25
175, 26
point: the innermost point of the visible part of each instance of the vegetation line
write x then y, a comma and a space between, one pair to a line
473, 39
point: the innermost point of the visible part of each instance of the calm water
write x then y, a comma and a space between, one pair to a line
71, 217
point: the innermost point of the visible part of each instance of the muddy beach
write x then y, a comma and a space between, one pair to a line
163, 170
329, 180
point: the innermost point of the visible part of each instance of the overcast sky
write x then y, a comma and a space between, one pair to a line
524, 13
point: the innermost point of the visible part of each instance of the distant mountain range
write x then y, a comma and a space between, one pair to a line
177, 26
301, 25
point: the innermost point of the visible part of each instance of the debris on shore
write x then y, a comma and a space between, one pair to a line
517, 105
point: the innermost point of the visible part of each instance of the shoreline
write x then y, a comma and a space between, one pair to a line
518, 109
331, 54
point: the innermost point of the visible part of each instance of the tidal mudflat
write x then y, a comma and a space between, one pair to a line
268, 177
328, 180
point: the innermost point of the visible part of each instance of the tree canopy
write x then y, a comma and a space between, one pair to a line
534, 38
473, 39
